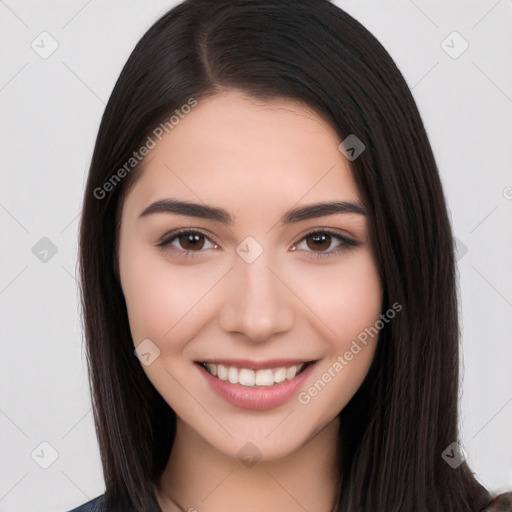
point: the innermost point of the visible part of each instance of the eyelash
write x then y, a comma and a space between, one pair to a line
345, 244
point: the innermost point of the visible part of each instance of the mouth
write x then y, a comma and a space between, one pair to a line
253, 375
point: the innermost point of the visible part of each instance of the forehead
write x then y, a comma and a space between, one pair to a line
242, 152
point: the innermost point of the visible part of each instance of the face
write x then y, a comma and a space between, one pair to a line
248, 302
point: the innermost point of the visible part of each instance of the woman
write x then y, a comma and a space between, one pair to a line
268, 274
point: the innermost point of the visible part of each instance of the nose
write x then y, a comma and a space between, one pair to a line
256, 303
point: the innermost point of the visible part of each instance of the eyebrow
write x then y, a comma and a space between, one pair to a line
298, 214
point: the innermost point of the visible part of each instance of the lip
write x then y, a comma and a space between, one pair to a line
257, 365
257, 398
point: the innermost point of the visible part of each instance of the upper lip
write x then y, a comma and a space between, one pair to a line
256, 365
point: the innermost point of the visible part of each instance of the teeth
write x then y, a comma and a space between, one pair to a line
245, 377
291, 372
233, 375
212, 368
264, 378
280, 375
222, 371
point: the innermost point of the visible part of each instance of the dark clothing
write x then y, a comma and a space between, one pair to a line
99, 505
95, 505
500, 503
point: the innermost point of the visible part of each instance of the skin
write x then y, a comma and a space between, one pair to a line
256, 160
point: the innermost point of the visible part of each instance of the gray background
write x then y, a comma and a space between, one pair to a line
51, 109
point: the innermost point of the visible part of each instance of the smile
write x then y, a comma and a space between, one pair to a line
256, 385
263, 377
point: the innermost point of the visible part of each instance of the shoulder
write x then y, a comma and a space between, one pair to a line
99, 504
95, 505
500, 503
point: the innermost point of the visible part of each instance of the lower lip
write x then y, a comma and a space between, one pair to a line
257, 398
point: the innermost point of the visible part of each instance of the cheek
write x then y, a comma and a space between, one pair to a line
172, 301
349, 302
346, 297
361, 299
164, 301
358, 295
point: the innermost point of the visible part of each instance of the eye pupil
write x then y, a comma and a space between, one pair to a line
192, 241
321, 241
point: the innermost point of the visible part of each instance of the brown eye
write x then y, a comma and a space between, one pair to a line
318, 241
192, 241
187, 241
324, 243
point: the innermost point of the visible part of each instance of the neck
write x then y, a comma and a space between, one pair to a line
198, 478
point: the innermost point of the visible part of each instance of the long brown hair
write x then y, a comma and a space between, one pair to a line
405, 414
